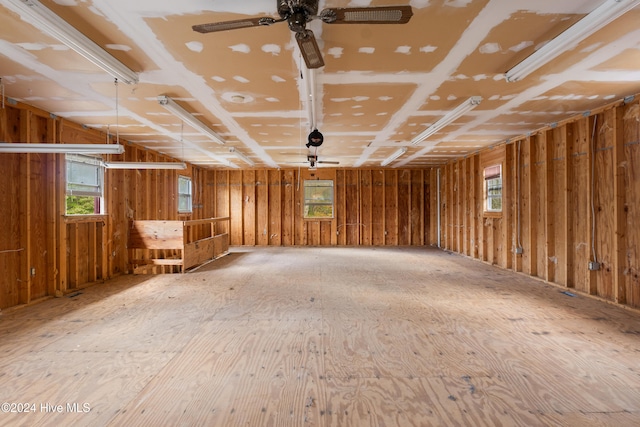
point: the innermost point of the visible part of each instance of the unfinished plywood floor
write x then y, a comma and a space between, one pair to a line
323, 337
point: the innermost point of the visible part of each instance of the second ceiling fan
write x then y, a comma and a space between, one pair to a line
298, 12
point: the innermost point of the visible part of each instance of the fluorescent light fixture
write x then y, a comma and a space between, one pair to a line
310, 92
448, 118
188, 118
241, 156
394, 156
145, 165
44, 19
9, 147
598, 18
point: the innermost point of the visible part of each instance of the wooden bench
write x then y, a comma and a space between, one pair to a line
176, 246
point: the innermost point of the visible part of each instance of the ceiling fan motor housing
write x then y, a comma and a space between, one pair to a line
315, 139
300, 12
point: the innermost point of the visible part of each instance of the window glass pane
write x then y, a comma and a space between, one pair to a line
183, 203
84, 176
493, 188
82, 205
184, 185
184, 194
318, 211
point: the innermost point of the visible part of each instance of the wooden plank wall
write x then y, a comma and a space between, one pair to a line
372, 207
44, 253
551, 179
571, 195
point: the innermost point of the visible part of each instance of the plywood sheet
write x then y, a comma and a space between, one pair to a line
156, 235
353, 195
345, 337
198, 252
632, 192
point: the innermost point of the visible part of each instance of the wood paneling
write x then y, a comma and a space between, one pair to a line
48, 254
12, 250
604, 200
274, 208
579, 196
404, 207
354, 223
629, 262
371, 207
570, 197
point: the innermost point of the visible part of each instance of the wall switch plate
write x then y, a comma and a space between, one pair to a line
594, 265
519, 251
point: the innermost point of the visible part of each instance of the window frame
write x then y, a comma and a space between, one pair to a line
189, 195
308, 203
98, 195
489, 175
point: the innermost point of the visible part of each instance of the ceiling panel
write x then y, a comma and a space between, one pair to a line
380, 87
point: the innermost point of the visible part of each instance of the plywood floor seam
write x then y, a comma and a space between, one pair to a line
323, 337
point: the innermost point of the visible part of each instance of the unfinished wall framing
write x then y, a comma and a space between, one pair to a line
372, 207
571, 198
46, 253
550, 180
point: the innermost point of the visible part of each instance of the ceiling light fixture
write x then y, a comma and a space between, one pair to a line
45, 148
394, 156
188, 118
145, 165
238, 99
448, 118
242, 156
598, 18
44, 19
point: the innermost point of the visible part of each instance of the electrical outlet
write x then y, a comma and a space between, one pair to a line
33, 271
519, 251
594, 265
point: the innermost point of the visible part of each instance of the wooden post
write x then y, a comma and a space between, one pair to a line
475, 214
530, 232
569, 207
25, 205
619, 218
549, 255
592, 278
507, 235
423, 200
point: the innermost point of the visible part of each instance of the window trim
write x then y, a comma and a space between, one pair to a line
489, 173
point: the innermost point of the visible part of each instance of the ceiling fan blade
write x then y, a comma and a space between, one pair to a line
367, 15
309, 48
329, 162
232, 25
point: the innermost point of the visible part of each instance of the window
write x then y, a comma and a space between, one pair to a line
493, 188
184, 194
318, 198
84, 190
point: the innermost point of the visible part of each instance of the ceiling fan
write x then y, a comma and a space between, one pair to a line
298, 12
313, 162
315, 139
